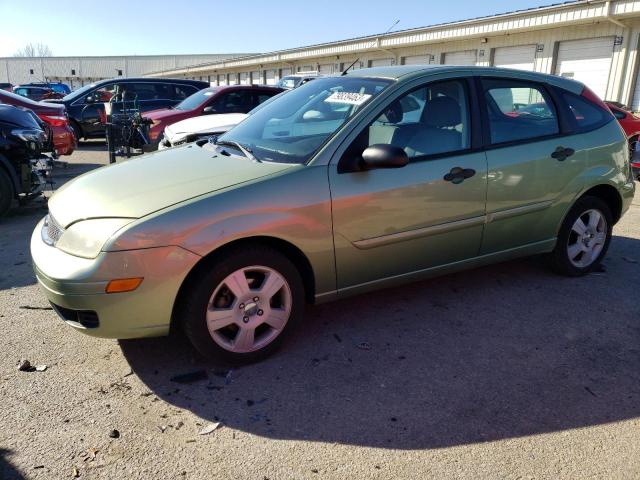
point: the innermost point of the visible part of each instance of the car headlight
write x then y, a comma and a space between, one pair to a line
87, 237
29, 134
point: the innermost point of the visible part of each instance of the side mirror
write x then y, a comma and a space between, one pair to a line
89, 99
383, 155
209, 110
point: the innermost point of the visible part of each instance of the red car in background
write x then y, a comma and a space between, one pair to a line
630, 123
54, 115
213, 100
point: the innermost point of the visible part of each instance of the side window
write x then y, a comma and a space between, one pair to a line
431, 120
104, 93
587, 115
183, 91
143, 91
234, 102
518, 111
261, 97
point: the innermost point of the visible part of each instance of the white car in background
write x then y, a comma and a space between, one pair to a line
204, 126
195, 128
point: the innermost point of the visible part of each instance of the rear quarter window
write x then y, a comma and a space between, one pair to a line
586, 114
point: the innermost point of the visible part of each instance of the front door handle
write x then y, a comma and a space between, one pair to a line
458, 175
561, 153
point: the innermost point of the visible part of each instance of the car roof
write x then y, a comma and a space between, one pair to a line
150, 80
408, 72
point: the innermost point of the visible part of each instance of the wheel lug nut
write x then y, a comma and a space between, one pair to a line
245, 319
241, 306
255, 299
260, 312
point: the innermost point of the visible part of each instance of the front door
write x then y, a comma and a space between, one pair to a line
391, 222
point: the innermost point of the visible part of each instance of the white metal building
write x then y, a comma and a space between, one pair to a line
76, 71
594, 41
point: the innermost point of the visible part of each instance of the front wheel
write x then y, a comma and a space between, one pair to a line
241, 307
6, 192
584, 237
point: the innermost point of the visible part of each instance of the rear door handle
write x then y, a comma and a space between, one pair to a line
458, 175
561, 153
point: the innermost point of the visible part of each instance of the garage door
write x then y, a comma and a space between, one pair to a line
381, 62
222, 79
244, 78
521, 58
270, 76
467, 57
284, 72
416, 60
326, 69
256, 78
588, 61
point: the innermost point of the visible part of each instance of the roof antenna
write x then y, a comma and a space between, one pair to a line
344, 72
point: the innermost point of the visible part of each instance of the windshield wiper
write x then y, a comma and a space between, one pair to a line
247, 152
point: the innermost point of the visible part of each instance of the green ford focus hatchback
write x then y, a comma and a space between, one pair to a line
344, 185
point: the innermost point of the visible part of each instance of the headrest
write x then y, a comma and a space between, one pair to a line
441, 112
393, 113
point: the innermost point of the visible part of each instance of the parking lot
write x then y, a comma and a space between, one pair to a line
502, 372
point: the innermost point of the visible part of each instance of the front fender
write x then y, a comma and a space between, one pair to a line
294, 207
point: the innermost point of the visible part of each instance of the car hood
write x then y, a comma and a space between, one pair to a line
203, 124
143, 185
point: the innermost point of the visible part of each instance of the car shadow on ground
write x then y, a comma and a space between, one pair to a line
7, 471
499, 352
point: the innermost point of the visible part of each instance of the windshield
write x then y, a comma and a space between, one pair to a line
77, 93
293, 127
197, 99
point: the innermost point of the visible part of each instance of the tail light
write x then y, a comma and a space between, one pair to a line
55, 120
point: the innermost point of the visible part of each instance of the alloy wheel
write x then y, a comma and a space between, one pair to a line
249, 309
587, 238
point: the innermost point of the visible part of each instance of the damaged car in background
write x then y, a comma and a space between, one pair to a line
23, 166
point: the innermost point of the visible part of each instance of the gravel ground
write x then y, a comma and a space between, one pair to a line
502, 372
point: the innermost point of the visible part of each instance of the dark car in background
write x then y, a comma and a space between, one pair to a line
58, 87
53, 114
21, 141
210, 101
85, 106
37, 93
6, 86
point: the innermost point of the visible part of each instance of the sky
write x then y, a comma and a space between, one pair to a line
142, 27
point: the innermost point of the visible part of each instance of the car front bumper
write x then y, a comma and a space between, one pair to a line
76, 288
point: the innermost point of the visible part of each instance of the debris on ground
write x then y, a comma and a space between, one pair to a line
163, 428
209, 428
364, 346
114, 433
227, 378
29, 307
41, 368
25, 366
630, 260
75, 473
190, 377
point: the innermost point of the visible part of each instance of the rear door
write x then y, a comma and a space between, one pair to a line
534, 163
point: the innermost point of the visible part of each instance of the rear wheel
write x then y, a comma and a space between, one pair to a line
584, 237
6, 192
241, 307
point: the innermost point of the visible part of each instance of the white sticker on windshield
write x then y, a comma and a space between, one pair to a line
350, 98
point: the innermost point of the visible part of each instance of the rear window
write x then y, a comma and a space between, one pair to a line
587, 115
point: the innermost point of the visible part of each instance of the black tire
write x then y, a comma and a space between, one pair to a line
7, 192
560, 261
77, 131
203, 283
